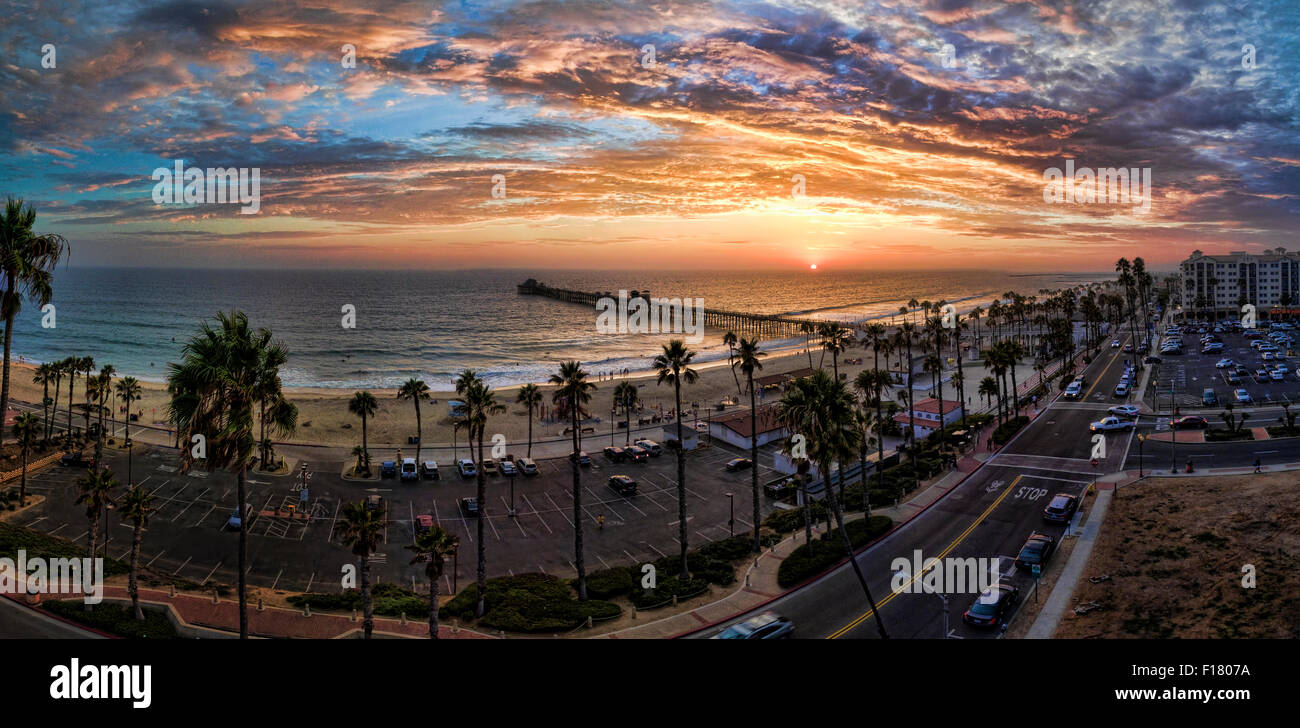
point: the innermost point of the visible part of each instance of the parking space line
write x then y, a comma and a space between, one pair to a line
182, 566
159, 556
560, 510
205, 516
210, 573
515, 518
607, 504
546, 525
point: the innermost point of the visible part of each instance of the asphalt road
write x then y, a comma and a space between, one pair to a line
20, 622
989, 516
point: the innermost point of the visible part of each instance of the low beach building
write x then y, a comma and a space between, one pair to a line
930, 415
734, 428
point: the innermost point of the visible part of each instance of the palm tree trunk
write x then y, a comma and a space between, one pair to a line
579, 560
753, 455
45, 407
49, 425
530, 430
482, 542
131, 447
367, 607
132, 586
92, 514
241, 496
433, 598
681, 474
911, 403
22, 485
365, 450
9, 335
72, 385
848, 547
419, 431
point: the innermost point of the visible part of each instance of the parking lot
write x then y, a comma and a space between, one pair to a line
1184, 377
188, 535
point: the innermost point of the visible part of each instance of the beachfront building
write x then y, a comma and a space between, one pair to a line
1217, 284
733, 428
930, 415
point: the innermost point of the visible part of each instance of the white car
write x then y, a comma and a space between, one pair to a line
1124, 410
1074, 391
1225, 363
1121, 390
1213, 347
1110, 424
1276, 375
1243, 397
1281, 368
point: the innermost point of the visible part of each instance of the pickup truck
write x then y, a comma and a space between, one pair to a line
1110, 424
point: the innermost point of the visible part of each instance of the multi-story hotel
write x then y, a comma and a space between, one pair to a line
1225, 282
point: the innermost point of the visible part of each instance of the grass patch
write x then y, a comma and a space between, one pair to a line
116, 619
14, 539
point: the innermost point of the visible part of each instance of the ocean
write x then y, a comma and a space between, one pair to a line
433, 324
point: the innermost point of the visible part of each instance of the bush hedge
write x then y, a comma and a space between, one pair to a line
1008, 429
115, 619
1221, 434
813, 558
528, 603
389, 600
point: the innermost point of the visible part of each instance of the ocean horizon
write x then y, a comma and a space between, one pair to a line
434, 324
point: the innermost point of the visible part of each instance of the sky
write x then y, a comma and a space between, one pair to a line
849, 134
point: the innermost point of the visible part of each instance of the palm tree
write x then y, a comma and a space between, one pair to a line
43, 375
94, 393
362, 459
86, 365
27, 262
480, 404
363, 404
824, 413
275, 412
674, 366
530, 395
362, 530
432, 548
837, 340
57, 370
573, 389
908, 333
96, 493
808, 328
626, 396
137, 506
871, 383
729, 339
747, 359
25, 426
214, 391
72, 365
129, 390
415, 390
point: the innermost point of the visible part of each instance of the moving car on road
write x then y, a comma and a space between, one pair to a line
1121, 389
1073, 391
766, 626
1124, 410
1189, 422
993, 606
1110, 424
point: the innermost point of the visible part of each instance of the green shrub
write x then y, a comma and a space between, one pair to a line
814, 558
609, 583
1219, 434
14, 539
116, 619
786, 521
388, 600
528, 603
729, 549
665, 588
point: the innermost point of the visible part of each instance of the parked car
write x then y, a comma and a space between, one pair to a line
409, 469
766, 626
236, 519
1224, 364
615, 454
1209, 398
1153, 360
388, 469
374, 502
469, 506
1189, 422
993, 605
423, 523
527, 467
649, 446
1243, 397
1110, 424
1232, 378
1121, 389
735, 464
583, 458
466, 468
1261, 373
490, 467
508, 468
1277, 375
1036, 551
622, 484
429, 469
1062, 508
637, 454
73, 459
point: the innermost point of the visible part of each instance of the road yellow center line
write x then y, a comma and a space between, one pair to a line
960, 537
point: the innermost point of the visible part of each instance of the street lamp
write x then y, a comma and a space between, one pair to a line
944, 597
731, 521
512, 493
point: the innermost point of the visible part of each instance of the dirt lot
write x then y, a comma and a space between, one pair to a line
1175, 550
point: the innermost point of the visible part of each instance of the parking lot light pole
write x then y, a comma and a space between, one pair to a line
1141, 439
944, 597
731, 521
512, 495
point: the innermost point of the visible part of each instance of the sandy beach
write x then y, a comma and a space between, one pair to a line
323, 417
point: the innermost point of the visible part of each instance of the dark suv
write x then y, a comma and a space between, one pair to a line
622, 484
615, 453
